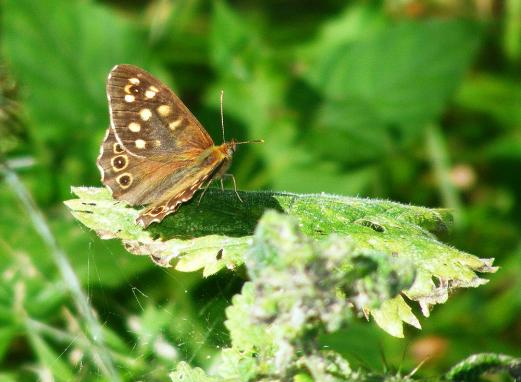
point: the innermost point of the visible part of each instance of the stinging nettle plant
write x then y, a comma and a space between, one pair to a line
314, 262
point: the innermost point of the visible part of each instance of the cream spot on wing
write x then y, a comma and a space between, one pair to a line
134, 127
164, 110
157, 143
175, 124
145, 114
150, 93
140, 144
127, 88
129, 98
134, 81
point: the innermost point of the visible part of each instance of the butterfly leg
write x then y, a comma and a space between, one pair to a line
204, 191
234, 186
222, 184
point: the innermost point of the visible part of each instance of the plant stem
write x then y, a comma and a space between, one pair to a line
65, 268
85, 345
512, 30
440, 162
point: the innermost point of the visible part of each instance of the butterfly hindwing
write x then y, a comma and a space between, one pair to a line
158, 211
148, 118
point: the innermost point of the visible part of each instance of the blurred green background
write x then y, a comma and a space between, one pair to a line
415, 101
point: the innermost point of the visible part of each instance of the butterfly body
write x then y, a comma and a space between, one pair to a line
155, 152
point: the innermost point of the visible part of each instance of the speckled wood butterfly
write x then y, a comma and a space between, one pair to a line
155, 151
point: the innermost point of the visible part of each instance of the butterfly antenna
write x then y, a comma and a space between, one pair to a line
255, 141
222, 126
222, 115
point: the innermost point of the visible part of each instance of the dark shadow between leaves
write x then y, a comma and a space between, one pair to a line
219, 213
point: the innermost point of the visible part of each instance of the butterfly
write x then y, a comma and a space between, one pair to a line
155, 152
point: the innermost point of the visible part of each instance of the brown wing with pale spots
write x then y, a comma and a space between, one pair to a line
143, 181
134, 179
148, 118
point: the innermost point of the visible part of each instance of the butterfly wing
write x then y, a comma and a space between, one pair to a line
155, 151
164, 184
148, 119
138, 180
158, 211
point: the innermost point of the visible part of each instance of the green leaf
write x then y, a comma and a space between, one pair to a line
8, 377
31, 283
235, 365
301, 287
233, 44
217, 233
6, 335
356, 22
398, 78
196, 239
406, 71
185, 373
246, 337
390, 315
474, 366
327, 366
494, 96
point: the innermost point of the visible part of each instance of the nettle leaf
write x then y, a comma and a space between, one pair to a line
195, 239
185, 373
396, 79
299, 288
216, 233
391, 315
476, 365
494, 96
406, 71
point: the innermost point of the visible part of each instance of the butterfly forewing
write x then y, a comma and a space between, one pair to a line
155, 151
148, 119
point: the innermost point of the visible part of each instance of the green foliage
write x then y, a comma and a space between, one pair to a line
478, 364
299, 288
400, 76
412, 101
184, 373
216, 233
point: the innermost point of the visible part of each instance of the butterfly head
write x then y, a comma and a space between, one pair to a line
231, 147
